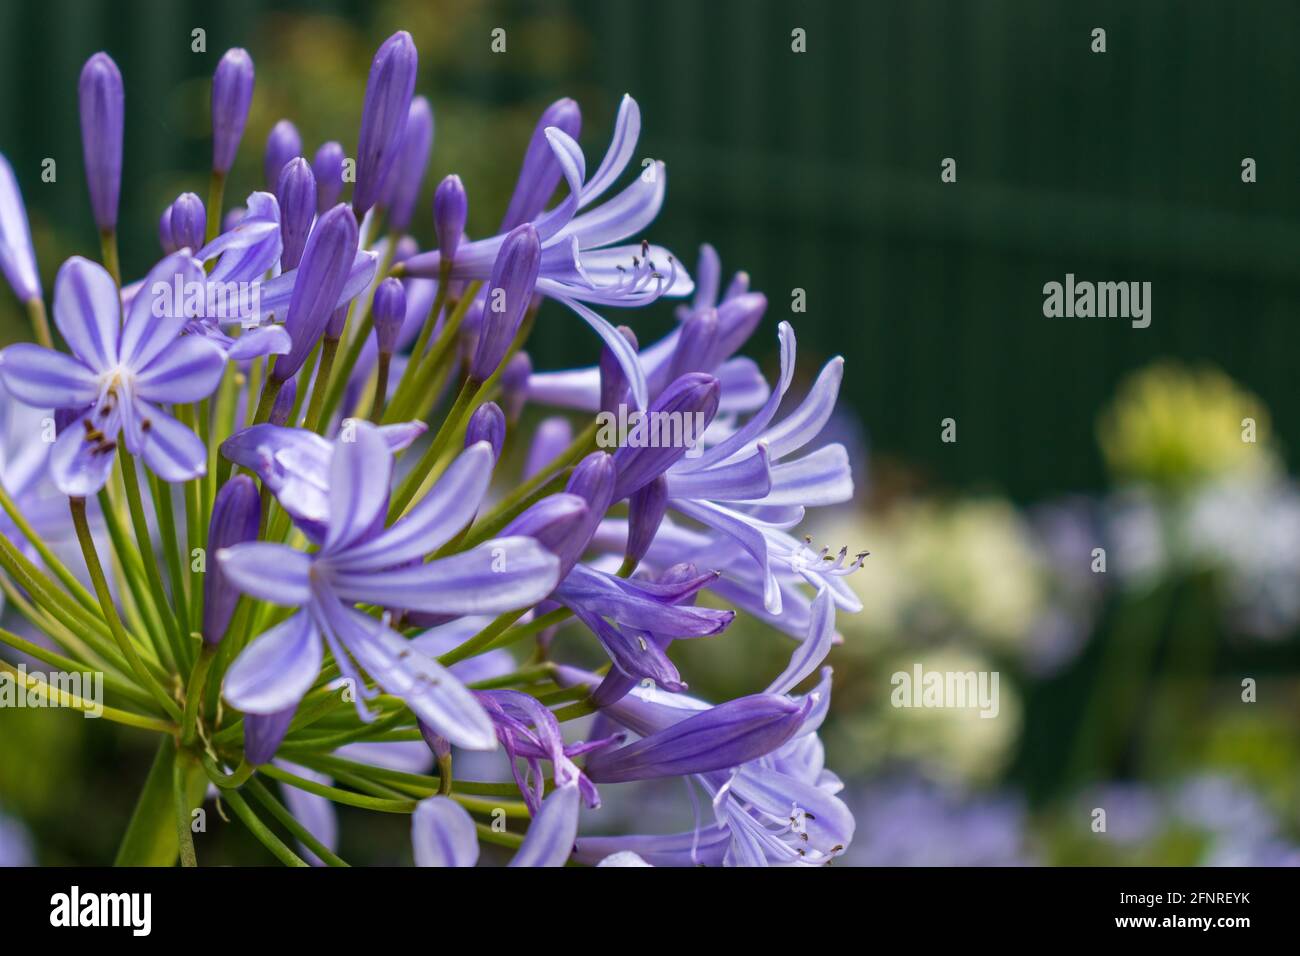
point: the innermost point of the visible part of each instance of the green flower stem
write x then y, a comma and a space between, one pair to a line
460, 410
108, 253
216, 196
112, 680
146, 680
163, 507
346, 797
194, 694
66, 611
483, 639
525, 675
315, 410
290, 823
261, 831
184, 835
439, 302
331, 764
73, 702
414, 384
382, 363
582, 708
68, 579
231, 781
332, 741
144, 540
223, 424
444, 775
196, 518
100, 655
487, 835
40, 322
132, 573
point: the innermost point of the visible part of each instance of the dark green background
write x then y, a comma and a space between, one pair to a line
818, 171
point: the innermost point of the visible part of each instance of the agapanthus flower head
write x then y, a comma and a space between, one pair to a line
103, 118
232, 95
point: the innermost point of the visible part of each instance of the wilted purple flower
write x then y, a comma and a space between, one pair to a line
232, 94
327, 167
296, 195
361, 561
17, 257
403, 187
331, 249
103, 115
235, 515
506, 298
383, 117
488, 423
117, 376
541, 173
389, 311
450, 209
282, 144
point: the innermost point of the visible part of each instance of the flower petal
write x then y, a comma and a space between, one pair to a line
185, 370
276, 669
271, 572
80, 467
359, 474
157, 313
88, 312
448, 507
171, 450
552, 832
443, 834
44, 378
499, 575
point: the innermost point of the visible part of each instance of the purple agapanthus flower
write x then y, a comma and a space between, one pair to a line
117, 377
361, 561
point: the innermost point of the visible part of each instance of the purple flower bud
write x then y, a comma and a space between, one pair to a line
697, 344
296, 194
17, 257
541, 173
404, 181
556, 522
263, 733
383, 116
592, 481
165, 232
232, 94
719, 738
509, 292
103, 114
690, 403
450, 209
235, 515
613, 381
282, 144
488, 423
389, 311
707, 274
645, 512
328, 169
331, 249
514, 384
283, 405
188, 220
